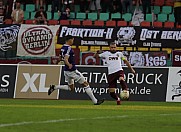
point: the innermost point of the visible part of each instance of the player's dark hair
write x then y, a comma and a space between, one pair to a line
68, 37
112, 43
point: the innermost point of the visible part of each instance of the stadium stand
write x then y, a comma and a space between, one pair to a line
169, 2
127, 17
92, 16
162, 17
149, 17
64, 22
115, 16
32, 15
77, 8
72, 15
111, 23
169, 24
159, 2
145, 24
166, 9
30, 7
8, 21
26, 15
56, 16
52, 22
157, 24
49, 8
156, 9
162, 9
122, 23
80, 15
49, 15
171, 18
87, 22
75, 22
104, 16
178, 26
99, 23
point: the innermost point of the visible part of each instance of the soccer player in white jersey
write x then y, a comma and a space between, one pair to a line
115, 71
71, 73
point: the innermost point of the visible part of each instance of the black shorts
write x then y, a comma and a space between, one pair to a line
112, 78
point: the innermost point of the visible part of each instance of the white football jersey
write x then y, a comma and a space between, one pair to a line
113, 60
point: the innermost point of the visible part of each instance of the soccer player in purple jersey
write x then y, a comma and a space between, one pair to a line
115, 71
71, 73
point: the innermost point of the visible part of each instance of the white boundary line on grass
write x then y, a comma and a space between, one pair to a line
75, 119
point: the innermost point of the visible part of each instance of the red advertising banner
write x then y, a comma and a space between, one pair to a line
176, 58
88, 59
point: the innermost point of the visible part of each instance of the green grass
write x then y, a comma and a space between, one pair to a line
19, 115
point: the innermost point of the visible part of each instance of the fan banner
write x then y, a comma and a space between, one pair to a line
122, 36
174, 85
88, 59
156, 58
37, 40
137, 17
176, 58
8, 37
135, 58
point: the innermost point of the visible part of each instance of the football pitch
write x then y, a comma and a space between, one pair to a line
23, 115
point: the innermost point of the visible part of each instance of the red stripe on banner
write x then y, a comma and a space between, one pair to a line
88, 59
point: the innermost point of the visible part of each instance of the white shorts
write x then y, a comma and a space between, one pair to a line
70, 76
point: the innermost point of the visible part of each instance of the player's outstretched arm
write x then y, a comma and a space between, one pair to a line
129, 65
96, 55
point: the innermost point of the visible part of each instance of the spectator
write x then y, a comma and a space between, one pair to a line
1, 12
4, 7
95, 5
68, 4
64, 15
48, 2
40, 16
56, 6
17, 14
9, 8
106, 4
177, 12
127, 4
38, 3
146, 5
117, 6
84, 5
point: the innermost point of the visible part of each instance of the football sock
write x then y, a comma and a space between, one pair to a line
63, 87
90, 94
114, 96
123, 85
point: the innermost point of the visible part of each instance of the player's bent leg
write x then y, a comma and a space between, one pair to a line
56, 87
71, 86
114, 96
90, 94
124, 86
51, 89
123, 83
